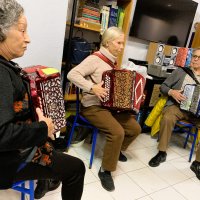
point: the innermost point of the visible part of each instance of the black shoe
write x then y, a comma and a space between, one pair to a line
159, 158
122, 157
44, 186
106, 180
41, 189
195, 167
53, 184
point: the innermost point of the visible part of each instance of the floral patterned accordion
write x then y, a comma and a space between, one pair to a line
45, 91
192, 102
125, 89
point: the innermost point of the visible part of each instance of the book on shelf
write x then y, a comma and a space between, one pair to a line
91, 12
120, 19
113, 16
105, 12
91, 17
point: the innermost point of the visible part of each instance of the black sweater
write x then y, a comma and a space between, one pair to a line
15, 133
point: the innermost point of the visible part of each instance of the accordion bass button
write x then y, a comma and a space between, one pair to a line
33, 93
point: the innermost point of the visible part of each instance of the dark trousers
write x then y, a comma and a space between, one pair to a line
68, 169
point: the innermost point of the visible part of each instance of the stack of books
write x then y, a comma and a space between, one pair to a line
89, 13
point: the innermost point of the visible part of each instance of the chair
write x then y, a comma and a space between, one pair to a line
81, 121
20, 186
191, 130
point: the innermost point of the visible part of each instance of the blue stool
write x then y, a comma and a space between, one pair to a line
81, 121
191, 130
20, 186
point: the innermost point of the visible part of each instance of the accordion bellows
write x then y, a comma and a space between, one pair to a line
192, 102
45, 92
125, 89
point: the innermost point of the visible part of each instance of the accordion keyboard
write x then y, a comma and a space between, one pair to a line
107, 85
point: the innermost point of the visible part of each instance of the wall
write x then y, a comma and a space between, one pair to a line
137, 49
46, 28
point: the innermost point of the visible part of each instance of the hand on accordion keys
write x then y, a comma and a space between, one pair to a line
177, 95
48, 121
99, 91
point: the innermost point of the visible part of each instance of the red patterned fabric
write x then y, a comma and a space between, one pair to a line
125, 89
181, 57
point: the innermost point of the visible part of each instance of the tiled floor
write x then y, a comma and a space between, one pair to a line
134, 179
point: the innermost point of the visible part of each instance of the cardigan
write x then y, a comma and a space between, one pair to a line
16, 135
176, 81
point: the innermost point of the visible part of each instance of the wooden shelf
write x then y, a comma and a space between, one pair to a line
87, 26
71, 97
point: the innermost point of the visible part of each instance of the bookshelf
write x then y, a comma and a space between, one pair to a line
86, 26
196, 40
127, 7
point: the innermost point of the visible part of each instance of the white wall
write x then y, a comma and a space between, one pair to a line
46, 28
136, 48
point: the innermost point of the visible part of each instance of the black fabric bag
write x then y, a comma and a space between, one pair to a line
80, 132
80, 49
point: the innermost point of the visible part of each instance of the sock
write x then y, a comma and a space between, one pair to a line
102, 169
162, 152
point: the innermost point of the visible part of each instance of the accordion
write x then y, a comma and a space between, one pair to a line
45, 92
192, 102
125, 89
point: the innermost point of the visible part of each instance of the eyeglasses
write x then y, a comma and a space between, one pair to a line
195, 56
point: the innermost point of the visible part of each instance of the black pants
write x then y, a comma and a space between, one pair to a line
68, 169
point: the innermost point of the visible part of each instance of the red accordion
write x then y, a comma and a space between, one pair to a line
125, 89
45, 92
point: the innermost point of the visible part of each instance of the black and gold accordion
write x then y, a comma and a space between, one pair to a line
45, 92
125, 89
192, 102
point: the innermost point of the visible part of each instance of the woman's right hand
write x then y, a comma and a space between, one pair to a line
99, 91
177, 95
48, 121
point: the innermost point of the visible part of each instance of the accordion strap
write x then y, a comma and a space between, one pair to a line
105, 59
191, 74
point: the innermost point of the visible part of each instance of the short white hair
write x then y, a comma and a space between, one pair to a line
110, 34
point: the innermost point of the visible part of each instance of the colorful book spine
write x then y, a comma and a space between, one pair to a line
90, 20
121, 15
104, 18
113, 16
91, 12
91, 17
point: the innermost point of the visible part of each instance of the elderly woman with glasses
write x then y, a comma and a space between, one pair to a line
173, 87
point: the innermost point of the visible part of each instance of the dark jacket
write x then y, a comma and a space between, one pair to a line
15, 133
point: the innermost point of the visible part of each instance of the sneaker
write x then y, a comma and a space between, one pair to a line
195, 167
122, 157
44, 186
159, 158
106, 180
